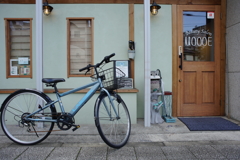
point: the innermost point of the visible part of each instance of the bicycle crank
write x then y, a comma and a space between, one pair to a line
65, 122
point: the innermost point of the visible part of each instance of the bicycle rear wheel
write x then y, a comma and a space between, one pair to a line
113, 129
17, 106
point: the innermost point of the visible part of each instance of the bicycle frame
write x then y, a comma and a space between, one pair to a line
95, 85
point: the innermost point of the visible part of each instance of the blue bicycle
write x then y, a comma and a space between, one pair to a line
28, 116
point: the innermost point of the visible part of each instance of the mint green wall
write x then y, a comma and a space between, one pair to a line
111, 34
15, 11
161, 49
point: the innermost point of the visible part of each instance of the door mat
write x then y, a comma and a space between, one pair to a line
209, 124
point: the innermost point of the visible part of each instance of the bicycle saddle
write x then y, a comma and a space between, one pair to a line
53, 80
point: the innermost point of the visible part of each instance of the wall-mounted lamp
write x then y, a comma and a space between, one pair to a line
131, 49
47, 9
154, 8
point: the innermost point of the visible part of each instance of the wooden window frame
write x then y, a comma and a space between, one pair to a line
68, 45
8, 49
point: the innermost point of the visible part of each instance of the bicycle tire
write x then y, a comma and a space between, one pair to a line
114, 131
19, 104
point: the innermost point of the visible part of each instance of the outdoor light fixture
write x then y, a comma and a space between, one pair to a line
47, 9
154, 8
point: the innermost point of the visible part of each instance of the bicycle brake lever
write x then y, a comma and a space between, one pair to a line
87, 71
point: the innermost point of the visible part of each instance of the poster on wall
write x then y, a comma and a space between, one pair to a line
124, 66
14, 70
23, 60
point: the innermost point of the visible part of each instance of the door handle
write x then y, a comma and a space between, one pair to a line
180, 56
181, 61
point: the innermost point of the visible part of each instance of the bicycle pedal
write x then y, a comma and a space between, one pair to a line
76, 127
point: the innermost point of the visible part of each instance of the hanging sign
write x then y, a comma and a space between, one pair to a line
210, 15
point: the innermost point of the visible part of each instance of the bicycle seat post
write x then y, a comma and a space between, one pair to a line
55, 87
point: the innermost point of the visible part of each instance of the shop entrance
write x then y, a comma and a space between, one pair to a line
199, 60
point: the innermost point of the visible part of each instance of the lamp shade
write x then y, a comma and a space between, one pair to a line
47, 9
154, 8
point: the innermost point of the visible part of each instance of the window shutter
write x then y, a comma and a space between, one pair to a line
19, 39
80, 45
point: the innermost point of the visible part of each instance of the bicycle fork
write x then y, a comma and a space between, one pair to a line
112, 106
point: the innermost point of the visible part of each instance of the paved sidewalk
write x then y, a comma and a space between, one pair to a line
160, 141
144, 151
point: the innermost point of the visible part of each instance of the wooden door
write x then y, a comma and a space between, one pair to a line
199, 60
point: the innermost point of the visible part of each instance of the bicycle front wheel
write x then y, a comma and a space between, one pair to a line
19, 105
114, 126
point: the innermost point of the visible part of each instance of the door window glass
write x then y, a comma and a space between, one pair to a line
198, 36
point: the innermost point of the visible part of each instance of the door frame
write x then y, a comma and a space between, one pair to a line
175, 59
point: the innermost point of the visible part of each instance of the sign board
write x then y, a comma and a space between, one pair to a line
210, 15
124, 66
14, 70
24, 70
127, 83
23, 60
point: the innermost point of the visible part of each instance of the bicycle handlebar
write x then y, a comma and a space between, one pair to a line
84, 68
106, 59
